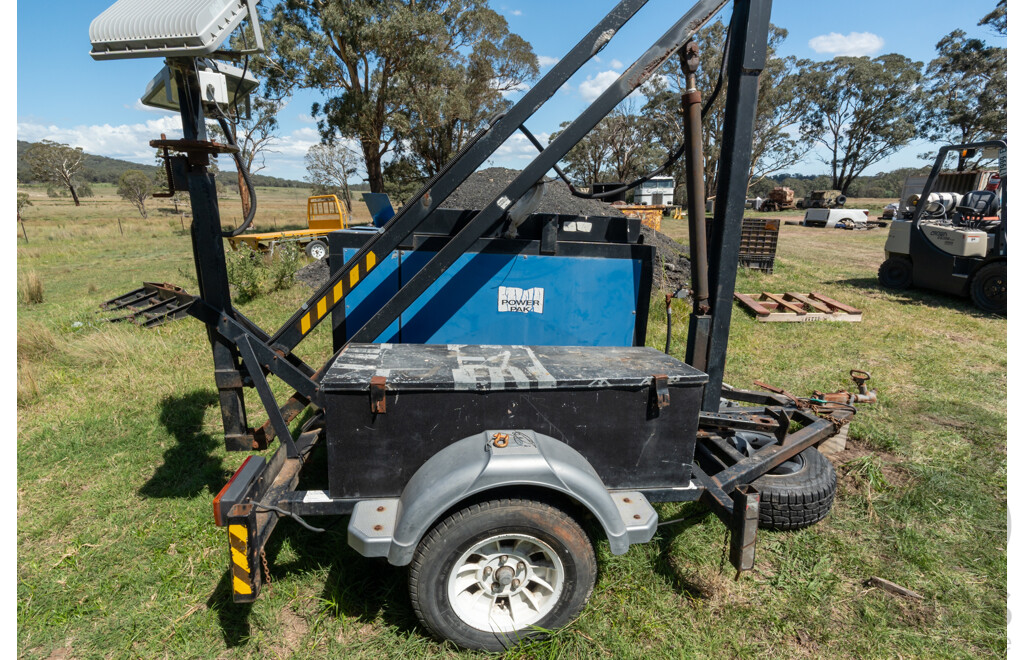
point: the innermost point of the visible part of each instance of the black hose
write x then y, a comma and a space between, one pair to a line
668, 323
230, 137
674, 156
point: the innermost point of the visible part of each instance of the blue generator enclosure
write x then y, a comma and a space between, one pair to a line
509, 291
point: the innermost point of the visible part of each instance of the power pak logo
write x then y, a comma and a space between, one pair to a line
513, 299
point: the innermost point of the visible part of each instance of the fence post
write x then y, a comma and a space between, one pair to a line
23, 229
119, 226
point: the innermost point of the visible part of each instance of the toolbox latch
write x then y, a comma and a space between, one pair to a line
661, 390
378, 385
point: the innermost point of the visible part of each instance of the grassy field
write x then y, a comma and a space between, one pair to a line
120, 453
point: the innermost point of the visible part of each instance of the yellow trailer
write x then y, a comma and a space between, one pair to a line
324, 214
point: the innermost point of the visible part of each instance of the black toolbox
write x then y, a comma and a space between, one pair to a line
390, 407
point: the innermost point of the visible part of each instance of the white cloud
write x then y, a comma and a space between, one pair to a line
616, 64
594, 85
305, 119
518, 147
129, 141
854, 44
545, 61
285, 156
516, 12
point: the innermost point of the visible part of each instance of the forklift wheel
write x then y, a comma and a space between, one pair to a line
988, 288
896, 273
798, 495
316, 250
498, 572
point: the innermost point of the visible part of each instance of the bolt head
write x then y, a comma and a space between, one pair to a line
487, 571
521, 566
515, 584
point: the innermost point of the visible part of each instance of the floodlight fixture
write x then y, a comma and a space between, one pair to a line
224, 85
168, 28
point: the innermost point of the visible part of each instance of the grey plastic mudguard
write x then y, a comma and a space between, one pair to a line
475, 464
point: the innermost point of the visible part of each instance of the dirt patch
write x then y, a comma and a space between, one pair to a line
293, 630
859, 465
356, 632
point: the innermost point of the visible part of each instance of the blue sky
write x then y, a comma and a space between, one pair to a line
66, 96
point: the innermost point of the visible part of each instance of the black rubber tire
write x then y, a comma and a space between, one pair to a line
798, 499
449, 539
896, 273
313, 248
988, 288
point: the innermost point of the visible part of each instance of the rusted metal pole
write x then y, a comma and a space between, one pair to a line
694, 159
700, 320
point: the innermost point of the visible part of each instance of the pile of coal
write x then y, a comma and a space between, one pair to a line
314, 275
480, 189
671, 262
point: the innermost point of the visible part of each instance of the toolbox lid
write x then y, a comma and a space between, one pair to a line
436, 367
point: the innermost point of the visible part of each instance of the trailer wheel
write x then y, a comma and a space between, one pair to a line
798, 493
498, 572
988, 288
896, 273
316, 250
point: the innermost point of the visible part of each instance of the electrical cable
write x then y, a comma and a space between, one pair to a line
295, 516
674, 156
692, 516
244, 171
229, 135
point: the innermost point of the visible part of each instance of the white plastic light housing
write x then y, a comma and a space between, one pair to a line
164, 28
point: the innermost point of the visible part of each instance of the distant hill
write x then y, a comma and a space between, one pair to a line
100, 169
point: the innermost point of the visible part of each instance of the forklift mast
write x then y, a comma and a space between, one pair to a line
244, 354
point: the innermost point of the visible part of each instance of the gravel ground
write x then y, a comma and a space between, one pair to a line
671, 262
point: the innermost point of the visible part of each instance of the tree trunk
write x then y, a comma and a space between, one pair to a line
243, 192
74, 194
374, 172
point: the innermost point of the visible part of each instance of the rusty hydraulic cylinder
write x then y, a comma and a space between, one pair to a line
700, 321
694, 155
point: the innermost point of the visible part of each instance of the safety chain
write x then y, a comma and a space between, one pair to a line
820, 409
266, 571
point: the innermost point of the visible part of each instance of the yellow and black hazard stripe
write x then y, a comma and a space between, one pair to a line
241, 570
337, 292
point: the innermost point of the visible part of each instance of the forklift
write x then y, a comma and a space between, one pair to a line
953, 243
476, 416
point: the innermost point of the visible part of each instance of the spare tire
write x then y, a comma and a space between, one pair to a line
796, 494
798, 499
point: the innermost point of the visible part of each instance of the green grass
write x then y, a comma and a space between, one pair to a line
120, 453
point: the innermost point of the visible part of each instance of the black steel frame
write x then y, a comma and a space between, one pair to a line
241, 348
244, 354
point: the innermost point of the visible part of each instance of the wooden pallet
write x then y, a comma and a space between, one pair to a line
797, 307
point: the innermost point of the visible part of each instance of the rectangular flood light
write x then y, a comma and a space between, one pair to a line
222, 86
165, 28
